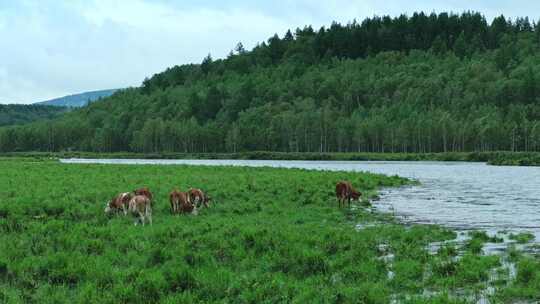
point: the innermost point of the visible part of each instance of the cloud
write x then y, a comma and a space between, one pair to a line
53, 48
105, 44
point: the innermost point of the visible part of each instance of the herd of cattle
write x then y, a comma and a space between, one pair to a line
139, 202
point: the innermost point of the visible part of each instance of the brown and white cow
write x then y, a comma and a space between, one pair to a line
198, 197
180, 203
144, 191
345, 192
119, 203
140, 207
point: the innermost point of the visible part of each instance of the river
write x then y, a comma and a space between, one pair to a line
458, 195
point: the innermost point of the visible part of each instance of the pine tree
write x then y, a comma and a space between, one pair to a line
439, 46
460, 46
240, 48
206, 64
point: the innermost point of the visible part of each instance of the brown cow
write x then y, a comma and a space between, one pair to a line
180, 203
141, 208
198, 197
144, 191
119, 203
346, 192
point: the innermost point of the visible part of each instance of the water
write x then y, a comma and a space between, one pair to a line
458, 195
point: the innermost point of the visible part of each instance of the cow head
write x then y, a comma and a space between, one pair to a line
143, 191
108, 208
355, 195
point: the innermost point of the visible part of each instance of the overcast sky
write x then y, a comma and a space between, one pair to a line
51, 48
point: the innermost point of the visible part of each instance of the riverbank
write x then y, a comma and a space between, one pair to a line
515, 159
494, 158
273, 235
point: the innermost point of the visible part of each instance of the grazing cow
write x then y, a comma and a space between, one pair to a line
119, 203
345, 192
199, 198
180, 203
144, 191
141, 208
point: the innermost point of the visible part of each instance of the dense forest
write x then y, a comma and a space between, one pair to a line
15, 114
420, 83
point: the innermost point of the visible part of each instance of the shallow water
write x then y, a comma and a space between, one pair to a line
458, 195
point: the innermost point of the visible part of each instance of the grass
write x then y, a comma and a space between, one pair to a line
515, 159
526, 286
522, 238
271, 236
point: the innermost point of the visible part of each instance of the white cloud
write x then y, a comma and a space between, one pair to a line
109, 45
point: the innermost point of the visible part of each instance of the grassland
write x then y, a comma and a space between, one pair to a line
272, 236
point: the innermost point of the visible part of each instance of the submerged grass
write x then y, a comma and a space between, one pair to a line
271, 236
522, 238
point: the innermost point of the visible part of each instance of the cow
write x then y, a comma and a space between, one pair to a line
119, 203
144, 191
180, 203
198, 197
345, 192
140, 207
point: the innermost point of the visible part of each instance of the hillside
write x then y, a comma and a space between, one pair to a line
78, 100
425, 83
15, 114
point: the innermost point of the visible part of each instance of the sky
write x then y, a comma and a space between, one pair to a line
52, 48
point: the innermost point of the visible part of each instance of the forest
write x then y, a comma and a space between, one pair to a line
15, 114
410, 84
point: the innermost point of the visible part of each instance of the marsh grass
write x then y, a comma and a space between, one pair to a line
270, 236
522, 238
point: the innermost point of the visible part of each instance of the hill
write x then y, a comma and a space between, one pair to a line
78, 100
424, 83
15, 114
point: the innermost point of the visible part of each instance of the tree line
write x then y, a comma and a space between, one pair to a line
425, 83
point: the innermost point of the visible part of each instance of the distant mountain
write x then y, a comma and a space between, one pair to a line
78, 100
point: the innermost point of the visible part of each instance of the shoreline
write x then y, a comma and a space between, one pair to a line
492, 158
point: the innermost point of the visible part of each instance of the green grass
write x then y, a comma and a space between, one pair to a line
522, 238
526, 286
271, 236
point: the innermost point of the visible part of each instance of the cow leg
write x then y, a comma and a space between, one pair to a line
149, 215
141, 218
